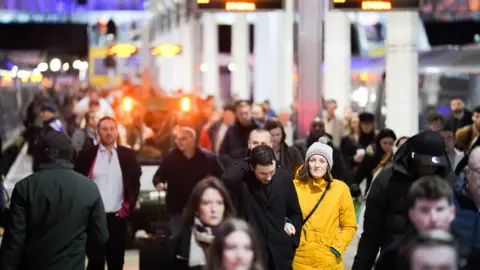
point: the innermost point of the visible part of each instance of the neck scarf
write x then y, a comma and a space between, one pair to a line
200, 239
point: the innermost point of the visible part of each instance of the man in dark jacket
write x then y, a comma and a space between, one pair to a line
180, 171
265, 197
53, 213
386, 209
459, 117
235, 143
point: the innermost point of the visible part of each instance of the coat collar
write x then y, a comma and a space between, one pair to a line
57, 164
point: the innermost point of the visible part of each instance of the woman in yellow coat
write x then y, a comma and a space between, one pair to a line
329, 227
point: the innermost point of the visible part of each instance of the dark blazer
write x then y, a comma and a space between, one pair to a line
131, 171
266, 214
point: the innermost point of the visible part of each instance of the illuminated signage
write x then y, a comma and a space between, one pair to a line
167, 50
376, 5
122, 50
239, 5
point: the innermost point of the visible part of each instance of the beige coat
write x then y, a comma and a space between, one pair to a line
335, 128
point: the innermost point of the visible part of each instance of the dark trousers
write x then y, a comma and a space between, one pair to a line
113, 252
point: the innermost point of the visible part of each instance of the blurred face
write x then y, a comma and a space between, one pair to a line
354, 123
184, 141
259, 138
457, 106
228, 117
47, 115
387, 144
449, 140
432, 215
366, 127
331, 107
264, 174
237, 251
93, 120
94, 96
424, 170
276, 137
317, 166
317, 129
211, 208
434, 258
107, 131
434, 125
257, 112
473, 179
244, 115
476, 119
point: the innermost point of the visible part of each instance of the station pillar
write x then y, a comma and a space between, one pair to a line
309, 101
286, 99
209, 66
187, 33
402, 104
336, 72
240, 69
262, 68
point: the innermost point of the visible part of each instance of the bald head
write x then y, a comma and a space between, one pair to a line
474, 158
259, 137
472, 172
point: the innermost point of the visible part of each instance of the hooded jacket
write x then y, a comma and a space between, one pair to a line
386, 216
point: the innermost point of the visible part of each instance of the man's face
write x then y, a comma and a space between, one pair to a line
434, 258
108, 132
94, 96
317, 129
259, 138
228, 117
184, 141
244, 115
257, 113
432, 214
331, 107
476, 119
435, 125
366, 127
449, 140
264, 174
457, 105
47, 115
424, 170
473, 178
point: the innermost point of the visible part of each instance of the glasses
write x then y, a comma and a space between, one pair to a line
475, 170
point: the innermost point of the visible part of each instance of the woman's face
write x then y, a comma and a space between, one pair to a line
276, 136
237, 252
387, 144
317, 166
211, 208
354, 123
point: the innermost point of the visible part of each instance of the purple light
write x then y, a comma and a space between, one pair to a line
60, 6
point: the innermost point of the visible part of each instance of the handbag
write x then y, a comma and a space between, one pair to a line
318, 203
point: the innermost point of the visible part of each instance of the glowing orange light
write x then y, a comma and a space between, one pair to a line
339, 1
376, 5
127, 104
240, 6
122, 50
185, 104
203, 1
167, 50
363, 77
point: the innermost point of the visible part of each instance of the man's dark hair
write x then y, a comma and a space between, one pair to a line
476, 109
431, 187
241, 103
435, 116
105, 118
262, 155
229, 107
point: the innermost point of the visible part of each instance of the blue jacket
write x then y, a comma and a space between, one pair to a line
467, 219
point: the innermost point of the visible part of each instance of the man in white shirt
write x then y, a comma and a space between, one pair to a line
83, 106
116, 172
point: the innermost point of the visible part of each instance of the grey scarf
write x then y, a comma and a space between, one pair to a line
201, 237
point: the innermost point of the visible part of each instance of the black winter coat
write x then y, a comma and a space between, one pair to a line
53, 212
235, 144
266, 214
386, 218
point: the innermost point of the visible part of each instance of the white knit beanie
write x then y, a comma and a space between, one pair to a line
321, 148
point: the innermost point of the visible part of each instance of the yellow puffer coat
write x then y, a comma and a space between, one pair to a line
332, 225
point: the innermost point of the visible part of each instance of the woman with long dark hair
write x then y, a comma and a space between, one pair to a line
208, 205
235, 248
287, 156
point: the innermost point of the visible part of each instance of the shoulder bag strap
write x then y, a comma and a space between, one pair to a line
318, 204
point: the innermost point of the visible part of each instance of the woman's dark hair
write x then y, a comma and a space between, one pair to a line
274, 123
215, 253
196, 197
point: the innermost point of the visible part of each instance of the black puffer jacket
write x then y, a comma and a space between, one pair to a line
386, 216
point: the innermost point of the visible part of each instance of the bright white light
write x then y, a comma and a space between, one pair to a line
76, 64
204, 67
22, 74
83, 65
65, 66
360, 96
373, 97
432, 70
42, 67
55, 64
232, 66
14, 69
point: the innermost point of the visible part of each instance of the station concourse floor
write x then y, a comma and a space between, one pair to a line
23, 167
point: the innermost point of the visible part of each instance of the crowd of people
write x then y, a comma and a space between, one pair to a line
240, 197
